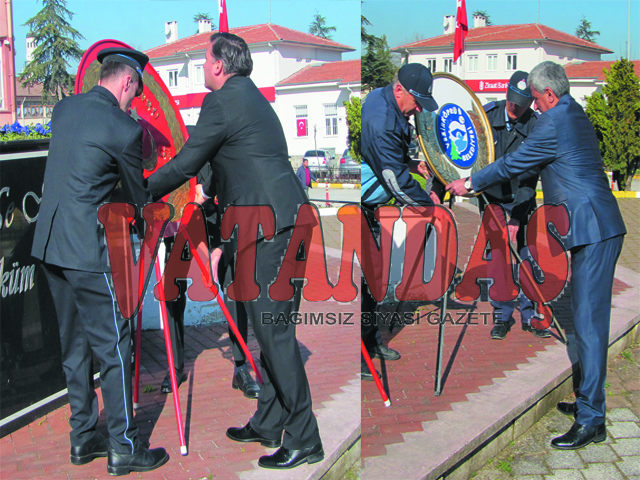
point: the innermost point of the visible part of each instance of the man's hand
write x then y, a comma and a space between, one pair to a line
423, 169
200, 196
457, 187
215, 259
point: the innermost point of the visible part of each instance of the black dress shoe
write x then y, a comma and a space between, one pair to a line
365, 374
285, 458
567, 408
545, 333
385, 353
243, 381
248, 434
580, 436
500, 330
181, 377
98, 446
144, 460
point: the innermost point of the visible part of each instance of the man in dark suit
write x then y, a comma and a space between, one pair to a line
511, 123
242, 379
95, 145
240, 135
563, 145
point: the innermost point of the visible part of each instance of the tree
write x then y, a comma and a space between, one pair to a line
56, 45
365, 37
377, 65
584, 30
353, 107
319, 27
203, 16
484, 14
615, 115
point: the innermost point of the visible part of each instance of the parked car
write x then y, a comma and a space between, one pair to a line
318, 158
348, 167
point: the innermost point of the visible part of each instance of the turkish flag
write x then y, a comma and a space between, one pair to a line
461, 30
224, 21
302, 127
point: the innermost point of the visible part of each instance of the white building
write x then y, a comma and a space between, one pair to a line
278, 53
311, 105
493, 53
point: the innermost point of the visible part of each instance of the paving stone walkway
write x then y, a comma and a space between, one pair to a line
618, 458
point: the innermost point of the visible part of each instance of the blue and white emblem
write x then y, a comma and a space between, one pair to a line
457, 135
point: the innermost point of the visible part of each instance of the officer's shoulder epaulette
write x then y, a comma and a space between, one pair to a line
490, 106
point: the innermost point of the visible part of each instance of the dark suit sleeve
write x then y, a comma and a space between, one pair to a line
130, 169
536, 151
203, 144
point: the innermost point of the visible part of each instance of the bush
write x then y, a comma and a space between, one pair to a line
16, 131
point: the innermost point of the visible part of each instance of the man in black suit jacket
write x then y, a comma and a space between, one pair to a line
240, 135
94, 145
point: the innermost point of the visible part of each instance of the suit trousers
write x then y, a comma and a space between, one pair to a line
284, 403
88, 322
175, 315
592, 271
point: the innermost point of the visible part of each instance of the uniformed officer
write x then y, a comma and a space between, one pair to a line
386, 170
95, 144
511, 122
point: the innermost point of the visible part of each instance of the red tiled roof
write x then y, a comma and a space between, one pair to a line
267, 32
594, 69
346, 71
508, 33
34, 91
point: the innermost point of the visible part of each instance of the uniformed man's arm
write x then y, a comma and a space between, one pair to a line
203, 144
394, 172
130, 170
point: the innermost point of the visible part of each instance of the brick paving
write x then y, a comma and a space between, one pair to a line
471, 359
209, 405
532, 458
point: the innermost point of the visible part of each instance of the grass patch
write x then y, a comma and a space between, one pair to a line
504, 465
148, 389
627, 355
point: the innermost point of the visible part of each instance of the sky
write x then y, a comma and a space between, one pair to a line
405, 21
140, 23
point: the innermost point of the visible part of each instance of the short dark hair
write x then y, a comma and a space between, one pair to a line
114, 69
234, 53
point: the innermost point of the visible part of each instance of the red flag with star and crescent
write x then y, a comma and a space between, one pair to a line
461, 29
302, 127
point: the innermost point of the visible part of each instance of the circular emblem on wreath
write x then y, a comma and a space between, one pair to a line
457, 135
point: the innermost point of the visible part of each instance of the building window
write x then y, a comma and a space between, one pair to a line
331, 119
472, 63
512, 62
301, 120
173, 78
431, 64
199, 74
492, 63
448, 65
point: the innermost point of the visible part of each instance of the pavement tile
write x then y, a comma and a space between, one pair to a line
627, 446
621, 415
602, 471
624, 430
563, 459
597, 454
565, 475
530, 465
630, 465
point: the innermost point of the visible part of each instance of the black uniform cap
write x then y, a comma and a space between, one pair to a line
519, 92
135, 59
417, 80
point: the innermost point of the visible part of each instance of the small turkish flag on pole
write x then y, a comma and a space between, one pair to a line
224, 21
302, 127
461, 29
